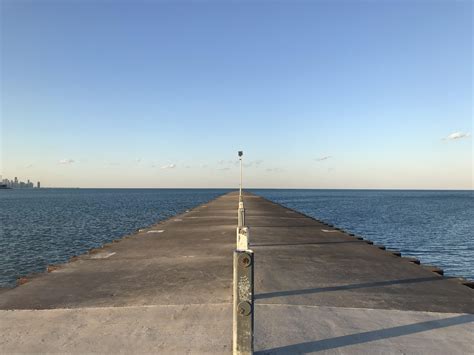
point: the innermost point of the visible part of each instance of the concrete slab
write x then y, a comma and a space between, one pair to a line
336, 330
298, 262
199, 329
177, 329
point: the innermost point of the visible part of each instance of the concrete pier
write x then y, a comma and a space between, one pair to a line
168, 289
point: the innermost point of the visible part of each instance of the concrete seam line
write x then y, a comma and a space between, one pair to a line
117, 307
354, 308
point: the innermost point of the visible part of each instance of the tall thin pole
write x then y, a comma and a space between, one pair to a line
240, 193
241, 153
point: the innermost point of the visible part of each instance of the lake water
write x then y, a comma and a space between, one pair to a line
48, 226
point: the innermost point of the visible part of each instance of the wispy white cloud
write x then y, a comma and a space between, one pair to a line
66, 161
111, 163
323, 158
457, 135
138, 160
223, 169
251, 163
169, 166
29, 166
274, 170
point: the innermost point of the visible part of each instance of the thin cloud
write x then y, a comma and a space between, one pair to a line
169, 166
29, 166
66, 161
251, 163
457, 135
138, 160
326, 157
111, 163
223, 169
274, 170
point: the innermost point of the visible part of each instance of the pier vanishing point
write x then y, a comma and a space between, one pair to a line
168, 289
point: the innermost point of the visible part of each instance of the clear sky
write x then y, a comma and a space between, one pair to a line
318, 94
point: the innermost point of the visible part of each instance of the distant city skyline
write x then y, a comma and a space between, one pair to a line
17, 183
163, 94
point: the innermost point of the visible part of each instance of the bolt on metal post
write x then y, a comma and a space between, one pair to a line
243, 310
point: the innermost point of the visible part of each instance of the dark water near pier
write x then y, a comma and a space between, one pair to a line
437, 227
48, 226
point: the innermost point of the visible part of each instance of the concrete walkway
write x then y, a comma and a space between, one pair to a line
168, 289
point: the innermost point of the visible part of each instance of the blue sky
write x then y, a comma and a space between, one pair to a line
340, 94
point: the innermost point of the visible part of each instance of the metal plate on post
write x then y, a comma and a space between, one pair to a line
241, 217
243, 315
243, 238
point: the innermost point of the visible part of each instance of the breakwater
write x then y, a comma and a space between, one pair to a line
432, 226
40, 227
168, 288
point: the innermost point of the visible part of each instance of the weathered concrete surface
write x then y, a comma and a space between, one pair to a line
282, 329
162, 329
168, 289
300, 261
188, 262
336, 330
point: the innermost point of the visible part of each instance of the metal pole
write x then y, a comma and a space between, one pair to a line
241, 210
243, 312
241, 153
241, 215
240, 193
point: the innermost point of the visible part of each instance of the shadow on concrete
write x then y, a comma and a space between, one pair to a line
345, 287
307, 243
365, 337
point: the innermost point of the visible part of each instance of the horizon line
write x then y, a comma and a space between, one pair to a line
248, 188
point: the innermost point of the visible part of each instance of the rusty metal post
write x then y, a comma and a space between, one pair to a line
243, 312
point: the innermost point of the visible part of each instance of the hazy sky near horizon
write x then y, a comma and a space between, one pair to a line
318, 94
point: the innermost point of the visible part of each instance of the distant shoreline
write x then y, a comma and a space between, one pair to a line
234, 188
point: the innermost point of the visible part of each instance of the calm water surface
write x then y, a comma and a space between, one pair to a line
437, 227
48, 226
